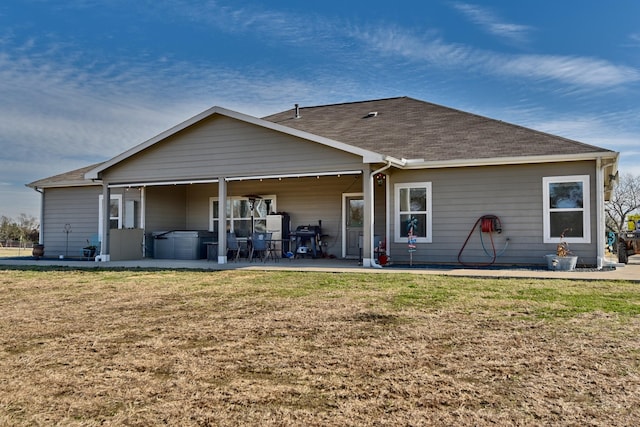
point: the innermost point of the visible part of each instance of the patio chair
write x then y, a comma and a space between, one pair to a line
260, 244
233, 246
274, 248
92, 249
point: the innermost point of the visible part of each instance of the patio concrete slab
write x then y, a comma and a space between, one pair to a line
630, 271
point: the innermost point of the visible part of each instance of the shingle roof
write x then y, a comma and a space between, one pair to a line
403, 128
412, 129
67, 179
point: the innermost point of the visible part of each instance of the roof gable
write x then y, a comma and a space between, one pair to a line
366, 154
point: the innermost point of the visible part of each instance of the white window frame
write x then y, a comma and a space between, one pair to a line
399, 233
586, 211
117, 197
212, 214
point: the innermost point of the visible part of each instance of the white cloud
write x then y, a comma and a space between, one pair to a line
65, 108
331, 35
389, 40
285, 27
573, 71
491, 23
570, 70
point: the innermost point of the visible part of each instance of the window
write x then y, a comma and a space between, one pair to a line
239, 214
115, 212
413, 205
566, 209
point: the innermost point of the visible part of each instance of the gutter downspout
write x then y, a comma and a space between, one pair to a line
41, 234
374, 262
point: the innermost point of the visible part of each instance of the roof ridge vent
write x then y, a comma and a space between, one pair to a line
372, 114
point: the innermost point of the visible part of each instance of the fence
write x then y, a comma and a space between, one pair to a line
18, 244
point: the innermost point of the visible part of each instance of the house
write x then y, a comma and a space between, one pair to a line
361, 171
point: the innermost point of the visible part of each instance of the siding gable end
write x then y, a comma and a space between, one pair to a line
222, 146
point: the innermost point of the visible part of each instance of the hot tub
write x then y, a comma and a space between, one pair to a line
181, 244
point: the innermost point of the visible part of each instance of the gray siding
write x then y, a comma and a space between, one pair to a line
460, 197
78, 207
166, 208
513, 193
221, 146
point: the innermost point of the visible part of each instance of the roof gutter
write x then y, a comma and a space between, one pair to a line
293, 175
494, 161
158, 183
63, 184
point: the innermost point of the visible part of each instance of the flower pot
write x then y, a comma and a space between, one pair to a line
561, 263
37, 251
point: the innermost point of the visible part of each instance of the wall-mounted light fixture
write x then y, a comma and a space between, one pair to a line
380, 178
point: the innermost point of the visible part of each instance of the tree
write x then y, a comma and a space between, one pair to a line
25, 229
625, 199
6, 228
29, 227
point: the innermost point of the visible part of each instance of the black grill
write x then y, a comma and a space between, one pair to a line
308, 234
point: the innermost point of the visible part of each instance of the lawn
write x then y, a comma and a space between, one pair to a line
99, 347
14, 252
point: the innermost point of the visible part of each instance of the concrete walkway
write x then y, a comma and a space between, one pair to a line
630, 271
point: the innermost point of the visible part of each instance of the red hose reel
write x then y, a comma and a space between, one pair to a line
488, 224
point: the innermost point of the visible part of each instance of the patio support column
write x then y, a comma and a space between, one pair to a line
373, 262
367, 236
106, 225
222, 221
143, 216
601, 228
41, 236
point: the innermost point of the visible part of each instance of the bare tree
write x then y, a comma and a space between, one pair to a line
26, 228
625, 199
29, 227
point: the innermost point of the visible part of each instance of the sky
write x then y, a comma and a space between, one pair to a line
84, 80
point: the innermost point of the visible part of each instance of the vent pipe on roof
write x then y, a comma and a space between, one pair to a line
297, 114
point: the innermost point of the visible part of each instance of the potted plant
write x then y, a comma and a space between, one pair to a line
563, 259
37, 250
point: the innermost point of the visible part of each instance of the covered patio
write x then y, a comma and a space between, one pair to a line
333, 202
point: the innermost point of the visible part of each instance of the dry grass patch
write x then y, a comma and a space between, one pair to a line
14, 252
282, 348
